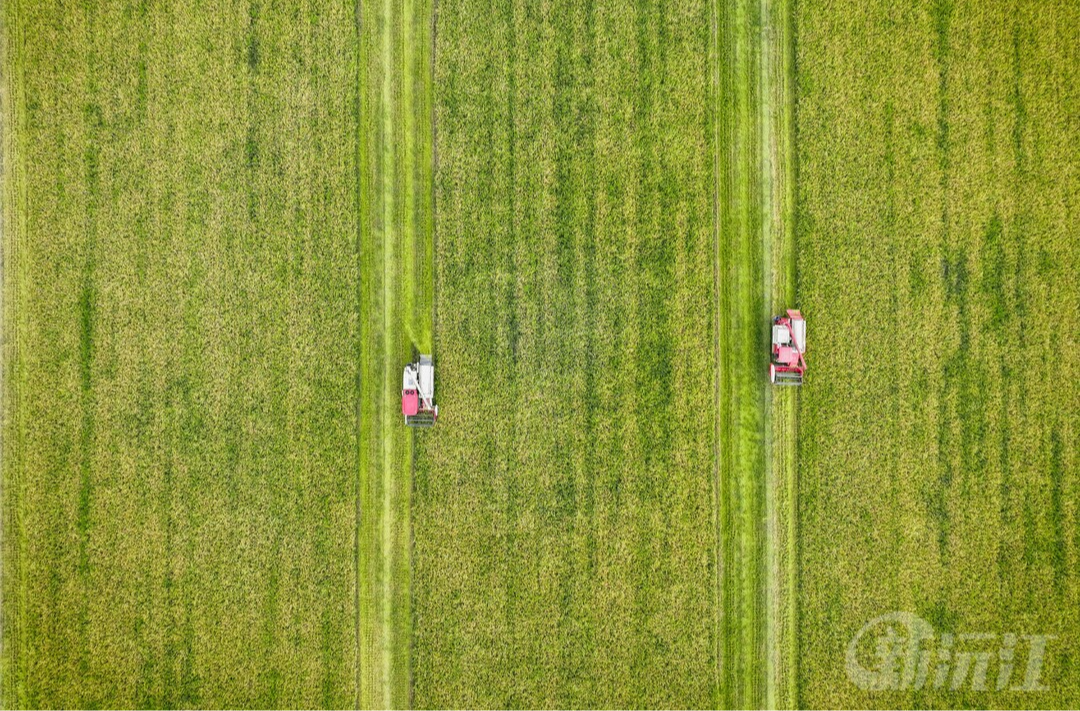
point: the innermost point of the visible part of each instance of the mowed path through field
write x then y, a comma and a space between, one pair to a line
396, 296
754, 74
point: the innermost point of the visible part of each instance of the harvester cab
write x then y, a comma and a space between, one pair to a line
418, 393
788, 363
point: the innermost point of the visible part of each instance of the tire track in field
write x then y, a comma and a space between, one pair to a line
387, 440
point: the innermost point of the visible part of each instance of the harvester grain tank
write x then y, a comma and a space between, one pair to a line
788, 363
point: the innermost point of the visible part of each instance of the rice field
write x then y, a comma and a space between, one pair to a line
180, 355
937, 219
564, 507
225, 232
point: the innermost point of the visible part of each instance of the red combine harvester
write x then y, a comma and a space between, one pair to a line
788, 364
418, 393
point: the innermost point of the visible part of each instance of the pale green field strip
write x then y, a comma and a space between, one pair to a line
564, 556
755, 262
180, 367
939, 203
778, 81
396, 163
777, 102
417, 110
742, 316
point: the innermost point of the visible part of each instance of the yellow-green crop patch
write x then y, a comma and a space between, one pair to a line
939, 207
563, 510
226, 229
180, 371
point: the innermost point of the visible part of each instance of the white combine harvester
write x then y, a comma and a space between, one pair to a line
418, 393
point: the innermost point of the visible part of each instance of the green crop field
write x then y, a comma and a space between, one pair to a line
938, 222
180, 364
563, 514
226, 229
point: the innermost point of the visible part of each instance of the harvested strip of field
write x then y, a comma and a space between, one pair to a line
180, 456
755, 276
939, 203
564, 554
777, 100
742, 355
395, 158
